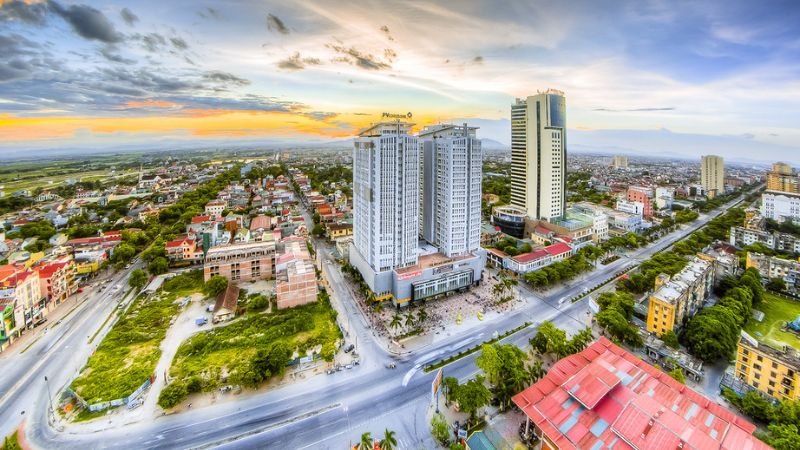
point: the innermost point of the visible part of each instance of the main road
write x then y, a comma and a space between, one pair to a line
319, 412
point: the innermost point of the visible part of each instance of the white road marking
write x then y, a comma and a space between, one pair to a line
410, 374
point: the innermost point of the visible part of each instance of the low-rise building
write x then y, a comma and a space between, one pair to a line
215, 208
227, 303
773, 372
781, 206
773, 267
676, 299
606, 397
785, 242
56, 281
339, 230
247, 261
510, 220
296, 278
537, 259
184, 249
21, 287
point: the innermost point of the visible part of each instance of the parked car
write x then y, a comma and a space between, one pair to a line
349, 348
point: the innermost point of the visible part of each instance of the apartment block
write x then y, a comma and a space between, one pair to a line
676, 299
712, 175
248, 261
780, 206
296, 279
771, 371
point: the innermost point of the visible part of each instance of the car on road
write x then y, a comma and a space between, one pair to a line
348, 366
330, 371
349, 348
391, 365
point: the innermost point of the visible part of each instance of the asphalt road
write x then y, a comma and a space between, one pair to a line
318, 412
58, 354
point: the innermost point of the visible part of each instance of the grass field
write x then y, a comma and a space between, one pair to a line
229, 349
51, 178
777, 311
129, 353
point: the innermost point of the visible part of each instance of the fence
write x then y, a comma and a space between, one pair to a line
112, 403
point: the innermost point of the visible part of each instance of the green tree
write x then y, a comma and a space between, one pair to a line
490, 362
318, 230
712, 333
272, 360
158, 266
397, 321
172, 394
123, 254
549, 339
328, 352
439, 429
138, 279
389, 441
776, 284
473, 395
216, 285
366, 442
783, 437
677, 375
670, 339
258, 303
756, 406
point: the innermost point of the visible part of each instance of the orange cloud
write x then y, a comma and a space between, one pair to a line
211, 123
152, 103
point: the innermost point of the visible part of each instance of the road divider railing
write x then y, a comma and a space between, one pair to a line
464, 353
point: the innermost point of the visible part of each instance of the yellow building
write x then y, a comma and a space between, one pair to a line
339, 230
85, 267
676, 299
771, 371
783, 179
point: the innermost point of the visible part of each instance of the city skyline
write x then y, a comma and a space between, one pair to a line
644, 77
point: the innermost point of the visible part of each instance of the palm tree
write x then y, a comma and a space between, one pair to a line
409, 322
397, 321
535, 371
389, 441
422, 315
366, 442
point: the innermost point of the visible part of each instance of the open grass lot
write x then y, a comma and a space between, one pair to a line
46, 178
129, 353
228, 351
777, 311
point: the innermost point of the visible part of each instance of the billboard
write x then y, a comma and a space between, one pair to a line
436, 385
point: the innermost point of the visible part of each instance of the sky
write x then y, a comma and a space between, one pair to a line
638, 75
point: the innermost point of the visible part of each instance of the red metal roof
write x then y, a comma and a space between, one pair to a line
200, 219
530, 256
558, 248
605, 397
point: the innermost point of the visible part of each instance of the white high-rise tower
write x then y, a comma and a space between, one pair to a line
539, 155
386, 196
451, 188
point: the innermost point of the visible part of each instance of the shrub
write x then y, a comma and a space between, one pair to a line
172, 394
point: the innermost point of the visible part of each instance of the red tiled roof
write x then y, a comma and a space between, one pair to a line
530, 256
541, 230
558, 248
200, 219
46, 271
605, 397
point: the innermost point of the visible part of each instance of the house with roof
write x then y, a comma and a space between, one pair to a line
537, 258
226, 304
607, 398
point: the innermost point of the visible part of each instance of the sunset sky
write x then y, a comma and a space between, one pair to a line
78, 74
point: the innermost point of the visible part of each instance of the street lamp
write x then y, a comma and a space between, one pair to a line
49, 397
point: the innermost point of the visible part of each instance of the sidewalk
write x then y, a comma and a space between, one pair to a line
54, 316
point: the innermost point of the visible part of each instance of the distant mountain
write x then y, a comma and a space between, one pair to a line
491, 144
